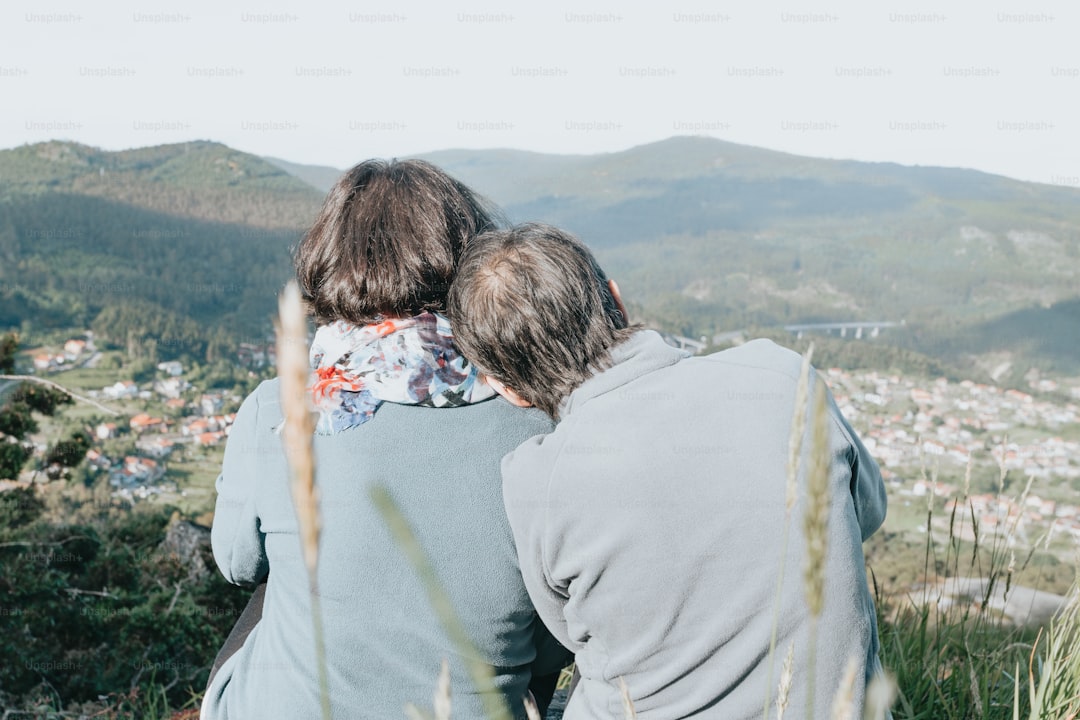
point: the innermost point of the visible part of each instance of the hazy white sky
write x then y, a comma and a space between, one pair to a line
987, 85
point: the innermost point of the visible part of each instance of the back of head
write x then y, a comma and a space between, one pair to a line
387, 242
532, 309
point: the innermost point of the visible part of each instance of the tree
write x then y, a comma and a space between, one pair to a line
69, 452
16, 420
19, 506
13, 456
42, 398
8, 345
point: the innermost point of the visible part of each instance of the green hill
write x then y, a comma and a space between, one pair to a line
320, 177
169, 246
203, 180
709, 236
705, 236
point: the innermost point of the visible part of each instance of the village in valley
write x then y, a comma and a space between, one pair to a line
936, 440
957, 442
155, 418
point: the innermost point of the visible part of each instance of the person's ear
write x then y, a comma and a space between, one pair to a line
512, 397
617, 297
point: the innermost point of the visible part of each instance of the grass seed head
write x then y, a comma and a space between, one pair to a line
816, 517
442, 693
798, 427
843, 705
299, 426
628, 704
783, 692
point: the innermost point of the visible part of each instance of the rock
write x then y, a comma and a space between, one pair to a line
188, 543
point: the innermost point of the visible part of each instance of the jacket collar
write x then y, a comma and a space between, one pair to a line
640, 354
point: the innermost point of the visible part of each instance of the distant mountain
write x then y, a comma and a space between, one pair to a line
178, 247
320, 177
705, 236
203, 180
709, 236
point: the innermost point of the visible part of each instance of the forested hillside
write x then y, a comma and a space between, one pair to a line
708, 236
179, 246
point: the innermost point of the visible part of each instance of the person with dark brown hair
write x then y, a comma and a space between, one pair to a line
387, 241
649, 522
398, 406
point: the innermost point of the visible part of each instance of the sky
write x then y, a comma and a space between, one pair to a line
978, 84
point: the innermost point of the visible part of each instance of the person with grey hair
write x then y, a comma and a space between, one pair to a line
648, 522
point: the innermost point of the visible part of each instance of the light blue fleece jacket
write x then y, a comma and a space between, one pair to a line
384, 644
650, 527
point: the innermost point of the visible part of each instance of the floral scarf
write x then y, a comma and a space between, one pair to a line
411, 361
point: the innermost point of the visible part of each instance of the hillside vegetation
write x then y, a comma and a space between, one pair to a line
708, 236
171, 246
705, 236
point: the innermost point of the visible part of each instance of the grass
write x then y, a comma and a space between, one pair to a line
946, 658
297, 438
147, 704
959, 657
951, 658
194, 470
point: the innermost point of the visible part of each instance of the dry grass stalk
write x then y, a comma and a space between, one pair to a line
1054, 677
922, 459
880, 696
816, 517
976, 698
967, 478
815, 528
795, 442
798, 427
299, 426
843, 705
1027, 491
1002, 470
627, 703
442, 692
783, 692
297, 431
531, 711
481, 674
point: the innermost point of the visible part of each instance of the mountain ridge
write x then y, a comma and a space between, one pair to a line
199, 179
705, 235
181, 248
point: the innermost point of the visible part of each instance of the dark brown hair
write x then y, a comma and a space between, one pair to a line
531, 307
387, 242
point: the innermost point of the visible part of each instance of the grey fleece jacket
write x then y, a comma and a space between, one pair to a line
384, 644
650, 528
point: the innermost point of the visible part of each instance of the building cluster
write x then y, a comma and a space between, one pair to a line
74, 351
131, 474
1030, 518
910, 426
157, 436
915, 428
257, 355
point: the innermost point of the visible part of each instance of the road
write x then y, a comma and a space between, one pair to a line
4, 385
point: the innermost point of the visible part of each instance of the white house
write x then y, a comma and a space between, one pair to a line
122, 389
171, 367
